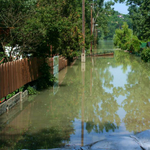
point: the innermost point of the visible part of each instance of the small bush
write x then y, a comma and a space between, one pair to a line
46, 78
145, 55
69, 54
122, 36
22, 89
133, 44
31, 90
10, 95
2, 100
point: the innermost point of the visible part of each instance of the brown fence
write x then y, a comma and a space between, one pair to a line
14, 75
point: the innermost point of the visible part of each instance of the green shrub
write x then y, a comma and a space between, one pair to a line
122, 36
31, 90
69, 54
46, 78
133, 44
10, 95
145, 55
21, 89
1, 100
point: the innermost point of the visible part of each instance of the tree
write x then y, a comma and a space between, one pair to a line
122, 36
13, 16
139, 13
125, 39
102, 11
115, 21
145, 9
39, 24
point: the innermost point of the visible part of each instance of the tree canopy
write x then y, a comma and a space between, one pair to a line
34, 25
139, 11
115, 21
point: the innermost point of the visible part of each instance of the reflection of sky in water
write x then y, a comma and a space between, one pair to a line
119, 80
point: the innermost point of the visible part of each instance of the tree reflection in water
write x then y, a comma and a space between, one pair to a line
100, 107
137, 102
51, 120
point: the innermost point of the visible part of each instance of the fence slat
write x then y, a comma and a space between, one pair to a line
4, 87
1, 78
11, 78
7, 86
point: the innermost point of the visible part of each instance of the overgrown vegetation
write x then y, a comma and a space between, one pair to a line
33, 26
31, 90
133, 45
115, 21
46, 78
125, 39
139, 13
12, 94
145, 55
36, 24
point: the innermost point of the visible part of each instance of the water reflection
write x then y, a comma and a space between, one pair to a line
110, 97
101, 107
104, 45
137, 100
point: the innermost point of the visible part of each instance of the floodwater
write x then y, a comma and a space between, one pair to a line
103, 97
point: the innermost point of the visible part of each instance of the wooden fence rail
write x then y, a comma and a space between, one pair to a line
16, 74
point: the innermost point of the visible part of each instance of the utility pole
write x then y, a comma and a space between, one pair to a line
83, 70
91, 28
83, 31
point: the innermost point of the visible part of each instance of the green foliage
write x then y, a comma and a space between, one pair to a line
122, 36
125, 39
46, 78
10, 95
145, 55
14, 14
139, 13
69, 54
145, 9
39, 24
115, 21
31, 90
22, 89
1, 100
133, 44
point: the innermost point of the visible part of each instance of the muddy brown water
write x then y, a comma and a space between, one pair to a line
110, 97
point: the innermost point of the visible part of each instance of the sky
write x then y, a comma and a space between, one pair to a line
120, 7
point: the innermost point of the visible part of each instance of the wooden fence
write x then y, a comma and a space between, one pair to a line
16, 74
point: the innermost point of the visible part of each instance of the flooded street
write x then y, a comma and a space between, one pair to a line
111, 97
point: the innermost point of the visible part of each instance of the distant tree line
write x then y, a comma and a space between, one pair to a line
115, 21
